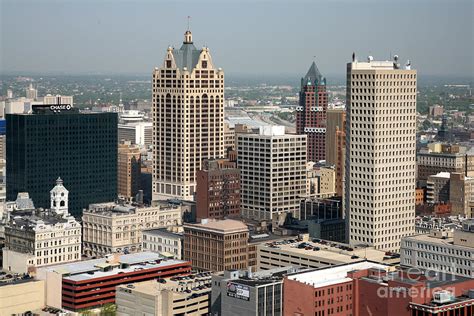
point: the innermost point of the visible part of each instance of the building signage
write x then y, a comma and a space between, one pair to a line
53, 107
238, 291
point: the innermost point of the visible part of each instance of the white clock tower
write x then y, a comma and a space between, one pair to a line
59, 198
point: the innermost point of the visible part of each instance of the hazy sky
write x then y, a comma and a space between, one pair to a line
245, 37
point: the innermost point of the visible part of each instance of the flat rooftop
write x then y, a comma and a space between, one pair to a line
163, 232
91, 269
333, 275
442, 175
331, 251
196, 283
224, 226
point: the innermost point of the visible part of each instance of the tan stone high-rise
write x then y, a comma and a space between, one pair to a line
380, 153
188, 118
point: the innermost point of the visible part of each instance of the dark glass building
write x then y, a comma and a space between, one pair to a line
81, 148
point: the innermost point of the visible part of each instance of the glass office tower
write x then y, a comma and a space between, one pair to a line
81, 148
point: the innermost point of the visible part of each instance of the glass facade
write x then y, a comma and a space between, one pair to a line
81, 148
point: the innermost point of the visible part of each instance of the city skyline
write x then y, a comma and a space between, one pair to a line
120, 39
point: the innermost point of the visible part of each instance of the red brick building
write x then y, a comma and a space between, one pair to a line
218, 189
369, 289
91, 283
311, 113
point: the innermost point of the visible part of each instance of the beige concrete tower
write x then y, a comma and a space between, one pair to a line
380, 153
188, 118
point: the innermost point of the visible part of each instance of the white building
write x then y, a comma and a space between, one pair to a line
138, 133
58, 99
188, 118
36, 238
31, 93
112, 228
272, 172
380, 153
166, 241
442, 250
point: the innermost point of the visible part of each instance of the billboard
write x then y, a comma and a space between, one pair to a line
238, 291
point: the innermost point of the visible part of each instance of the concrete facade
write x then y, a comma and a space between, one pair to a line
380, 153
272, 172
236, 293
164, 241
168, 297
21, 296
442, 251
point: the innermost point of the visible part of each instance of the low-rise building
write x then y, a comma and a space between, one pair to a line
217, 245
327, 291
113, 228
316, 254
187, 295
91, 283
366, 289
444, 158
242, 292
166, 241
20, 294
37, 237
442, 250
419, 196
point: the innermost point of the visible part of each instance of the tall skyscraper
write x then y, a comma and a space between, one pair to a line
188, 118
380, 152
272, 173
81, 148
311, 113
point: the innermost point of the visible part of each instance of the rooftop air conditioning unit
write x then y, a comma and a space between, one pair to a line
442, 297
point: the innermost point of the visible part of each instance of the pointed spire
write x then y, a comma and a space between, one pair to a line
313, 74
59, 181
